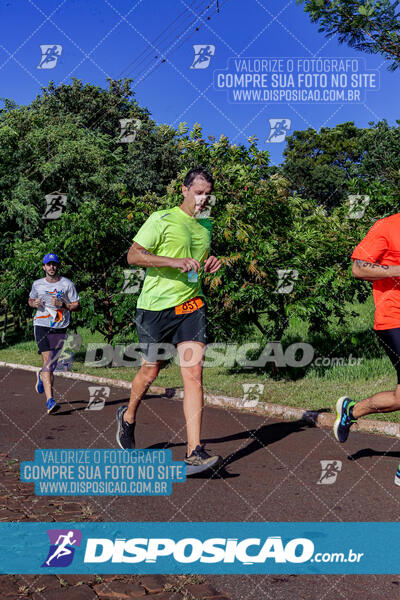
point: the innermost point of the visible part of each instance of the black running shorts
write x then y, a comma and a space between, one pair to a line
167, 327
48, 338
390, 341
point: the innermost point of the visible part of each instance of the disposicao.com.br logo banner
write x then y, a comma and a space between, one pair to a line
220, 548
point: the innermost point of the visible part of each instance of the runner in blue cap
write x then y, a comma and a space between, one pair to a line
54, 297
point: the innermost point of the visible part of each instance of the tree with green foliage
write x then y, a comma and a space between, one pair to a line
329, 165
67, 140
261, 224
260, 228
151, 161
380, 166
321, 165
92, 243
371, 26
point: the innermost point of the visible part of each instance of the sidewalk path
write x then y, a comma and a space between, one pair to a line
272, 470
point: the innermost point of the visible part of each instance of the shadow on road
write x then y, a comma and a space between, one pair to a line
368, 452
251, 440
259, 438
84, 404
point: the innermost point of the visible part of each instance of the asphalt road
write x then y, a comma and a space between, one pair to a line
272, 473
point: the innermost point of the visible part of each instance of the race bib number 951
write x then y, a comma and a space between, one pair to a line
189, 306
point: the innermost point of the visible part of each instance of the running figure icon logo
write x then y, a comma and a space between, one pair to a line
129, 129
202, 56
55, 206
97, 397
287, 277
278, 130
358, 205
133, 280
252, 392
329, 471
50, 55
62, 547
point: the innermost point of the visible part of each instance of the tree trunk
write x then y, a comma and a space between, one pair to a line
3, 335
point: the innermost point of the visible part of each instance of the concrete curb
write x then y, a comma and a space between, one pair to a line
313, 417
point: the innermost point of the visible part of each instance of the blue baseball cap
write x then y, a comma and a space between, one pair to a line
50, 258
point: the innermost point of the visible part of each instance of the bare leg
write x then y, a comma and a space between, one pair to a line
380, 402
140, 384
47, 376
191, 356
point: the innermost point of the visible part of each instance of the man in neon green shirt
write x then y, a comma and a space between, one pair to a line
173, 245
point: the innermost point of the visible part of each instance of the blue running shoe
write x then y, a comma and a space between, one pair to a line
52, 406
345, 419
39, 387
397, 476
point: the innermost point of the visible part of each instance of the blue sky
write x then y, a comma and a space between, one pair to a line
115, 38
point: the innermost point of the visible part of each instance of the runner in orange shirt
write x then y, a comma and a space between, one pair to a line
377, 259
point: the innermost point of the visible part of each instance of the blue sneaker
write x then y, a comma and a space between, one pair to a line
345, 419
397, 476
52, 406
39, 387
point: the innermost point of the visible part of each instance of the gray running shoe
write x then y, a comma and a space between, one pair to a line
200, 461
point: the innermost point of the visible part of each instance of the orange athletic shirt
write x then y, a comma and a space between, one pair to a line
382, 245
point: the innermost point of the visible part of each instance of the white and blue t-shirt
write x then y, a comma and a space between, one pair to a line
48, 315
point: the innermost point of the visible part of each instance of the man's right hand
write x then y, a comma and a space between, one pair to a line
36, 302
185, 264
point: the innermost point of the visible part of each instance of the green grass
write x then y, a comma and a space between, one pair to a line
309, 388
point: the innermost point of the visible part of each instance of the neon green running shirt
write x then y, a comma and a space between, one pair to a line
175, 234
